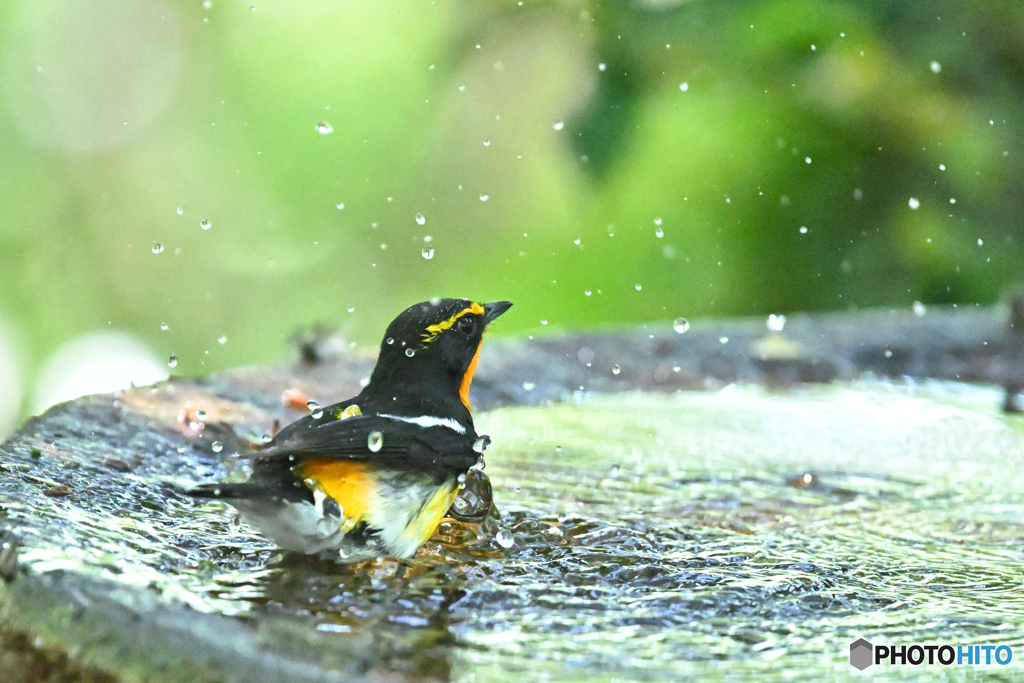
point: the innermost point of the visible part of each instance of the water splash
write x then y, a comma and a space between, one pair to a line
689, 535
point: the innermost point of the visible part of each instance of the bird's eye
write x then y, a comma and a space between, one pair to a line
467, 324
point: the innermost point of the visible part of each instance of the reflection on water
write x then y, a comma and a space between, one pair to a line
651, 537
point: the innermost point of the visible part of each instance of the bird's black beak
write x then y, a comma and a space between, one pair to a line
495, 308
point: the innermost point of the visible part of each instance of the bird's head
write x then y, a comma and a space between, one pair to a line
434, 345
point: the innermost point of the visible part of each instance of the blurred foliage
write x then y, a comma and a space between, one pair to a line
734, 124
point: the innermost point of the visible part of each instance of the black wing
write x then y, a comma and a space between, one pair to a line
385, 441
327, 414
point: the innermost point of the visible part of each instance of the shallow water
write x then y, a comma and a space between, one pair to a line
716, 535
712, 541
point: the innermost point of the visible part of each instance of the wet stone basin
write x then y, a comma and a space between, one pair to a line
715, 534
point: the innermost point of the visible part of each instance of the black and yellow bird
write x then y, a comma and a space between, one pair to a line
375, 474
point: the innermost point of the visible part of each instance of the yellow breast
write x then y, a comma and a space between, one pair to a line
348, 483
422, 526
403, 508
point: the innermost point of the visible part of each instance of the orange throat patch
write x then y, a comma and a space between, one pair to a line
467, 379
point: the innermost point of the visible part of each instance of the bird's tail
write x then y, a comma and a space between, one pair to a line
246, 491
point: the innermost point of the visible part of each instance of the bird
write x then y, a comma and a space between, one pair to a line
374, 475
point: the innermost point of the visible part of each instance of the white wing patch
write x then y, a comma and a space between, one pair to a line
429, 421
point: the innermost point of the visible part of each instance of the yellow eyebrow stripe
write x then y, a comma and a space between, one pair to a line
434, 330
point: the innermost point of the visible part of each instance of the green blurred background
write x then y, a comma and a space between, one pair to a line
596, 163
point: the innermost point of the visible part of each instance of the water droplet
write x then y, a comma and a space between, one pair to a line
428, 253
680, 325
312, 405
888, 353
428, 239
484, 197
638, 286
913, 203
217, 446
351, 309
602, 66
267, 438
340, 205
858, 194
504, 538
935, 66
157, 247
942, 167
375, 441
807, 159
324, 128
179, 211
205, 224
657, 221
659, 233
576, 240
390, 341
919, 309
410, 353
558, 449
684, 86
543, 321
487, 143
980, 242
528, 385
776, 322
558, 125
172, 361
482, 444
164, 326
222, 340
586, 292
723, 340
616, 369
803, 229
421, 219
200, 414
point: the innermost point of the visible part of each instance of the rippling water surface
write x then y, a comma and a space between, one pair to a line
714, 535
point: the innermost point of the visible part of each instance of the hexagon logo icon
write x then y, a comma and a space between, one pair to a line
861, 654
